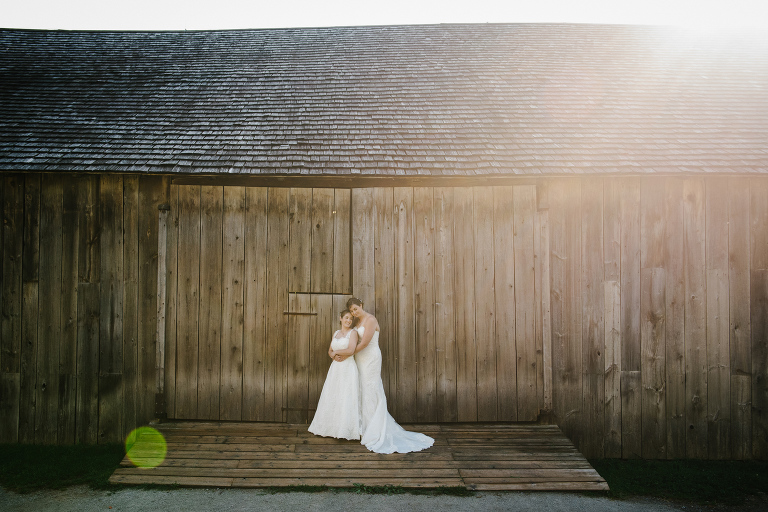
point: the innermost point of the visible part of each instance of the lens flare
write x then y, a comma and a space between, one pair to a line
146, 447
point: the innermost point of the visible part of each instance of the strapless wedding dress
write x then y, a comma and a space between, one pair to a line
380, 431
338, 410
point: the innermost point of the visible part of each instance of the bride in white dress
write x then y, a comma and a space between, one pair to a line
380, 431
338, 410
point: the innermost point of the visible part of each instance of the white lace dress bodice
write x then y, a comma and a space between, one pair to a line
380, 431
338, 409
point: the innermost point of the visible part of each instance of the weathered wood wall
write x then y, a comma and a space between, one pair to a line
79, 284
659, 311
642, 300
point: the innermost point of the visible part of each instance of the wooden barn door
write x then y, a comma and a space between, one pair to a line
241, 261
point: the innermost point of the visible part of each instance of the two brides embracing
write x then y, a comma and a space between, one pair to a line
352, 404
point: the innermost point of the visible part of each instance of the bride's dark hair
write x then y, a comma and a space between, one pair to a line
354, 301
354, 318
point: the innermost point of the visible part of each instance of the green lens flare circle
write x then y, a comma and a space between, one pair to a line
146, 447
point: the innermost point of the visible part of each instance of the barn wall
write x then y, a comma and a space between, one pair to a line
79, 287
656, 308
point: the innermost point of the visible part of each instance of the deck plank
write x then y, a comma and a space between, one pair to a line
477, 456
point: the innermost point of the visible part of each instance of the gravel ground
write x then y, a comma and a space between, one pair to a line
83, 499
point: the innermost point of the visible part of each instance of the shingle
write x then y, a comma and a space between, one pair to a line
405, 100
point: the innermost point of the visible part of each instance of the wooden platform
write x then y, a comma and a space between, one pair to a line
482, 457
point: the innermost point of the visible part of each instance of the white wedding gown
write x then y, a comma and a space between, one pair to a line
381, 434
338, 410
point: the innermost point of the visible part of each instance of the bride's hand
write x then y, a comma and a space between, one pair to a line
339, 358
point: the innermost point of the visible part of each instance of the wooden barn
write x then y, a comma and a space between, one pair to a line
562, 223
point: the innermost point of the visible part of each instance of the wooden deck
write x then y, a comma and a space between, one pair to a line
482, 457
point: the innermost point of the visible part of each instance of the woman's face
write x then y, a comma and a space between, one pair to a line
346, 320
356, 310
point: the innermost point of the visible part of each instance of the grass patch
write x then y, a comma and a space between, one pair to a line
25, 468
726, 482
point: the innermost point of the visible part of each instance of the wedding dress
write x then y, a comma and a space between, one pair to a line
338, 410
380, 432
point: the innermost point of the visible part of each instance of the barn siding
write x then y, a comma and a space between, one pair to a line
657, 305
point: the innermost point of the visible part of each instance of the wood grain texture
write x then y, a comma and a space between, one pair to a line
485, 310
322, 328
130, 305
464, 279
740, 330
322, 241
255, 308
171, 301
49, 315
405, 331
674, 259
524, 205
298, 342
300, 245
210, 307
232, 305
384, 284
278, 267
504, 271
342, 246
424, 303
187, 337
695, 318
445, 313
593, 309
759, 315
363, 215
612, 317
718, 324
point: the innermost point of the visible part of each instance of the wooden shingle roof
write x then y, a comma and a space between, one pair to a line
400, 100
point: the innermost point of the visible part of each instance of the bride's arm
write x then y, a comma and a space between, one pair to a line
350, 350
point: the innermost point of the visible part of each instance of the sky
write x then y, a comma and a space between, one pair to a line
716, 15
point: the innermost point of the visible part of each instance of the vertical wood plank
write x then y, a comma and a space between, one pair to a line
153, 191
172, 310
278, 267
739, 325
300, 245
322, 240
758, 216
504, 271
718, 313
298, 358
188, 303
88, 300
674, 258
464, 257
254, 335
130, 304
68, 346
524, 204
13, 227
406, 358
210, 317
363, 258
49, 318
342, 265
321, 331
593, 308
565, 223
485, 310
631, 412
612, 317
695, 319
652, 313
445, 313
233, 313
10, 329
544, 305
384, 271
424, 296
